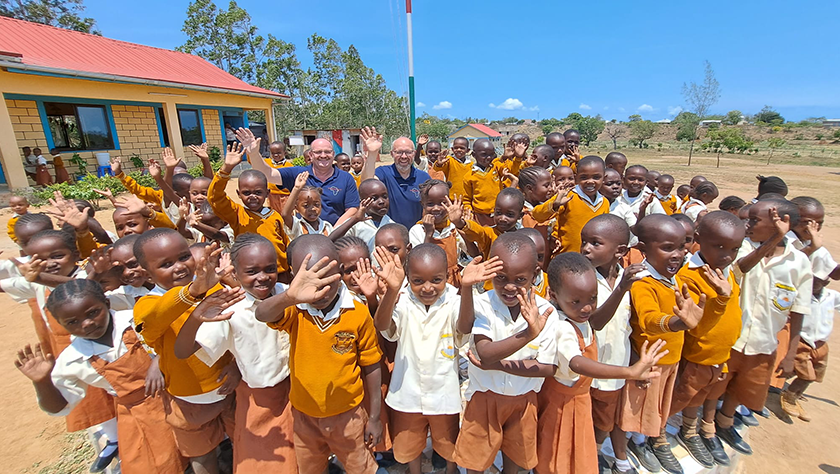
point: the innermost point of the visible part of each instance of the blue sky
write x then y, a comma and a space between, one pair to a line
533, 59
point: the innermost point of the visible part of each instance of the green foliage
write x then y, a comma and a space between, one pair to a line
769, 116
510, 120
198, 170
641, 130
436, 128
819, 136
634, 118
836, 134
589, 127
143, 179
299, 161
215, 154
776, 142
733, 139
553, 122
546, 129
65, 14
136, 161
77, 160
82, 189
733, 117
687, 123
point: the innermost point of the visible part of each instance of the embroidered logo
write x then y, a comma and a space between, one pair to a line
343, 342
333, 190
448, 351
415, 192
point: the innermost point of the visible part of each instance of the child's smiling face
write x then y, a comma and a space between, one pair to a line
611, 187
590, 177
53, 251
435, 203
518, 272
86, 317
634, 180
460, 147
506, 213
256, 269
427, 278
309, 205
169, 261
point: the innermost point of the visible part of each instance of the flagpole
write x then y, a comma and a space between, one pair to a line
411, 111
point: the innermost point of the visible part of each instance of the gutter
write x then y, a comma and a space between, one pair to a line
11, 64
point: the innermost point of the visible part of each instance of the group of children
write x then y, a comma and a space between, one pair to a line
543, 303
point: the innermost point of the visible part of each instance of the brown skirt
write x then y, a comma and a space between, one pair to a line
645, 409
147, 444
263, 439
566, 435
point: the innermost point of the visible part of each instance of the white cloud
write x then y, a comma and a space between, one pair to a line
584, 107
443, 105
674, 110
535, 108
645, 108
509, 104
621, 109
420, 104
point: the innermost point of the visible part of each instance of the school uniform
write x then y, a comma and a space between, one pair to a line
670, 203
635, 203
367, 229
572, 216
10, 227
530, 222
264, 426
645, 408
327, 353
566, 437
770, 291
146, 194
455, 171
482, 186
147, 444
424, 394
198, 236
623, 210
822, 264
613, 343
707, 347
812, 354
447, 237
267, 222
357, 177
540, 285
501, 410
277, 196
124, 297
693, 208
483, 236
299, 227
200, 416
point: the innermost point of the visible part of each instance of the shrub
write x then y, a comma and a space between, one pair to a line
299, 161
82, 189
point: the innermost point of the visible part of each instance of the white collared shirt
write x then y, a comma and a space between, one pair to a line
772, 290
822, 264
568, 347
635, 203
493, 320
598, 198
623, 210
261, 353
298, 225
346, 300
124, 297
652, 272
73, 373
817, 326
417, 236
425, 376
614, 338
366, 230
693, 208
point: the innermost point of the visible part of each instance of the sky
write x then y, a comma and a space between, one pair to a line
539, 59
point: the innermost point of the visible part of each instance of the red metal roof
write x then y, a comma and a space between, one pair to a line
47, 46
485, 129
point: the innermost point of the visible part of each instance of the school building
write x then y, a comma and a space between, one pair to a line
474, 131
86, 94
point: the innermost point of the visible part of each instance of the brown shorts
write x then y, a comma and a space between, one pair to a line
811, 362
749, 378
411, 429
694, 385
342, 434
199, 428
606, 407
645, 408
264, 430
492, 422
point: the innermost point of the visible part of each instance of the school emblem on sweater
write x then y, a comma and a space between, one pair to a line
343, 342
334, 190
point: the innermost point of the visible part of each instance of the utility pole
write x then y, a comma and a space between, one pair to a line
411, 110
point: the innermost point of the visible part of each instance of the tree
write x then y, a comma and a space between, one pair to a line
769, 116
686, 123
733, 139
510, 120
65, 14
634, 118
614, 131
774, 143
432, 126
700, 98
589, 127
733, 117
546, 129
641, 130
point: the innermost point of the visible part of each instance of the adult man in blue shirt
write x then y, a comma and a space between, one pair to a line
401, 179
340, 197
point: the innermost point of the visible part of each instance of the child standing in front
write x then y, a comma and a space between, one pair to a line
436, 228
485, 179
304, 200
20, 206
455, 169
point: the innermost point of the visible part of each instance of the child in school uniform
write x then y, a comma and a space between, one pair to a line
513, 349
302, 210
436, 228
812, 353
20, 206
356, 165
566, 438
421, 318
334, 361
277, 159
664, 185
573, 208
536, 185
617, 161
484, 181
563, 176
251, 215
263, 432
506, 215
540, 285
661, 308
806, 237
372, 213
200, 409
455, 169
697, 206
636, 194
105, 354
776, 285
203, 225
604, 242
707, 347
61, 174
394, 238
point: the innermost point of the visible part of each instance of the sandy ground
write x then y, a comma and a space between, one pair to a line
30, 440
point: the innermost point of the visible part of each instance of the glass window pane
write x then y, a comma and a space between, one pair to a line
190, 128
57, 130
162, 118
95, 129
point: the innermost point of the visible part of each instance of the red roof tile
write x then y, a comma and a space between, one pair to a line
47, 46
481, 128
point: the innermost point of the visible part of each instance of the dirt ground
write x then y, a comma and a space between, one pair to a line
31, 441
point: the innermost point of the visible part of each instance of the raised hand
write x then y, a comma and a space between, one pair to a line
169, 158
116, 165
34, 364
200, 151
246, 137
443, 157
106, 193
531, 160
206, 275
429, 224
782, 224
690, 313
155, 169
478, 272
67, 213
211, 309
361, 212
234, 155
812, 231
718, 280
184, 209
311, 284
371, 139
509, 152
629, 277
100, 260
391, 269
363, 276
645, 368
32, 269
132, 204
563, 197
574, 153
422, 139
514, 180
300, 180
455, 209
528, 309
519, 149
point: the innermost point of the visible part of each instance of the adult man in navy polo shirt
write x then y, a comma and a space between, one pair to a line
401, 179
340, 197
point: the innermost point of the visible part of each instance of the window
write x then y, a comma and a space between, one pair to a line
79, 127
164, 132
190, 127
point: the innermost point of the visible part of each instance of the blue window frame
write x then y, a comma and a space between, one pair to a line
79, 126
192, 129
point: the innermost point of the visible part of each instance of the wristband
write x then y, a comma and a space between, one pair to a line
663, 324
185, 296
222, 174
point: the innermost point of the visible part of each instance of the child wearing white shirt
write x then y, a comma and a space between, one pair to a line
808, 238
703, 194
304, 200
263, 430
421, 317
371, 215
